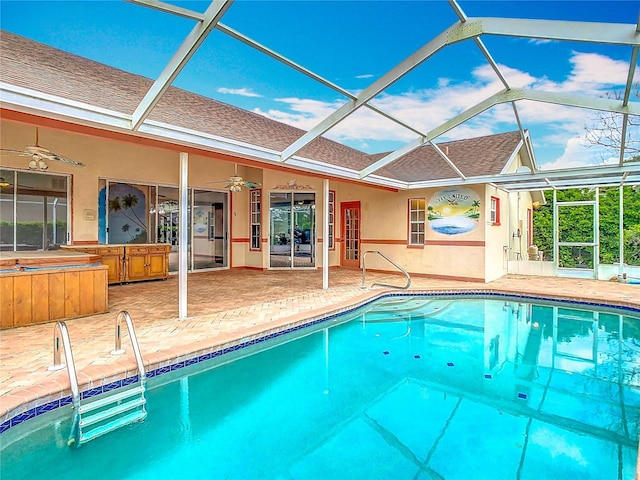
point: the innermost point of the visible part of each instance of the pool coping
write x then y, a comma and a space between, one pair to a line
192, 354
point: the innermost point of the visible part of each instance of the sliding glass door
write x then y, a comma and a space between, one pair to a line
137, 213
292, 224
33, 210
209, 233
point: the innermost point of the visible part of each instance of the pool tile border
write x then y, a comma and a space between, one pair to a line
312, 321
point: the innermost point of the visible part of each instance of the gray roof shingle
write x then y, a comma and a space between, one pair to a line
29, 64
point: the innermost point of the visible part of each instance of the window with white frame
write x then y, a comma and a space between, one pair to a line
256, 218
332, 220
417, 215
495, 211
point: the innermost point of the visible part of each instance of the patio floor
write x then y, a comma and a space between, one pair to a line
224, 307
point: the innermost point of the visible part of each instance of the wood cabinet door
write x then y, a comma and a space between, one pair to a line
157, 265
136, 267
114, 262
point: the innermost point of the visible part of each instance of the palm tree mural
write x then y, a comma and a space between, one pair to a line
125, 229
127, 214
433, 214
474, 211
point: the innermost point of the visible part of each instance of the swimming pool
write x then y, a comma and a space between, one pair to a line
408, 386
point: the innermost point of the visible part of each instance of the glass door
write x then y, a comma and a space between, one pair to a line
168, 221
208, 227
33, 210
304, 230
351, 231
280, 253
209, 231
292, 223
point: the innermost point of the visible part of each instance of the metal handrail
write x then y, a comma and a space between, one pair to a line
364, 271
134, 343
61, 332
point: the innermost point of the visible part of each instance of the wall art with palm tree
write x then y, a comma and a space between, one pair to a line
126, 209
453, 211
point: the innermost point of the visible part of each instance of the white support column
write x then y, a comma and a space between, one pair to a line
621, 229
183, 242
596, 236
325, 234
556, 248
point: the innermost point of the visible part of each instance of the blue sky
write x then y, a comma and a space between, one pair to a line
353, 43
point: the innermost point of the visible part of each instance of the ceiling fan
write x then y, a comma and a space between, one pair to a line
236, 182
40, 155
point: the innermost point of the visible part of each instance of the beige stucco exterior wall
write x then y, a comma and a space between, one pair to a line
478, 254
497, 236
385, 228
119, 161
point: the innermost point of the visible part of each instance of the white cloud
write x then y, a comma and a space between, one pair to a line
539, 41
575, 154
592, 69
553, 126
366, 75
244, 92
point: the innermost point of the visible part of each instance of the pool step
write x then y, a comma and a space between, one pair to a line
115, 397
112, 425
109, 413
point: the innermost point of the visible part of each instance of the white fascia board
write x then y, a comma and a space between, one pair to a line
49, 106
212, 143
30, 101
339, 172
204, 141
512, 157
38, 103
531, 154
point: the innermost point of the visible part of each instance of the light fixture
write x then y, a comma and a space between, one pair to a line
38, 164
3, 183
169, 206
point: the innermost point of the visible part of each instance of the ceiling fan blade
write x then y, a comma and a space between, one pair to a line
60, 158
252, 184
219, 181
22, 153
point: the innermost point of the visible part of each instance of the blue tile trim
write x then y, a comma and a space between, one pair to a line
475, 294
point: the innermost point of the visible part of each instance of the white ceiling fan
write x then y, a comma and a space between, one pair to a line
40, 156
235, 182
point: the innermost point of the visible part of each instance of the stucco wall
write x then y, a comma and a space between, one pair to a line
477, 254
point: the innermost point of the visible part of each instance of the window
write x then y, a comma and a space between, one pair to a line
332, 220
256, 218
416, 221
495, 211
34, 213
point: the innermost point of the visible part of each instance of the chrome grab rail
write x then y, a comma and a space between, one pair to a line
134, 343
364, 271
61, 333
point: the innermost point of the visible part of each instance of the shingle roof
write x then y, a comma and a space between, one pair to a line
29, 64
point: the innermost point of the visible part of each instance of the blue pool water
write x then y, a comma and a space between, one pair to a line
408, 387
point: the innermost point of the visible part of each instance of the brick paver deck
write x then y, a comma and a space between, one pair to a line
224, 307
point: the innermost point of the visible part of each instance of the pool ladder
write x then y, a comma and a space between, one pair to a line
109, 411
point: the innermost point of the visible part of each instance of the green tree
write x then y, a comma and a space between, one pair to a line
576, 225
